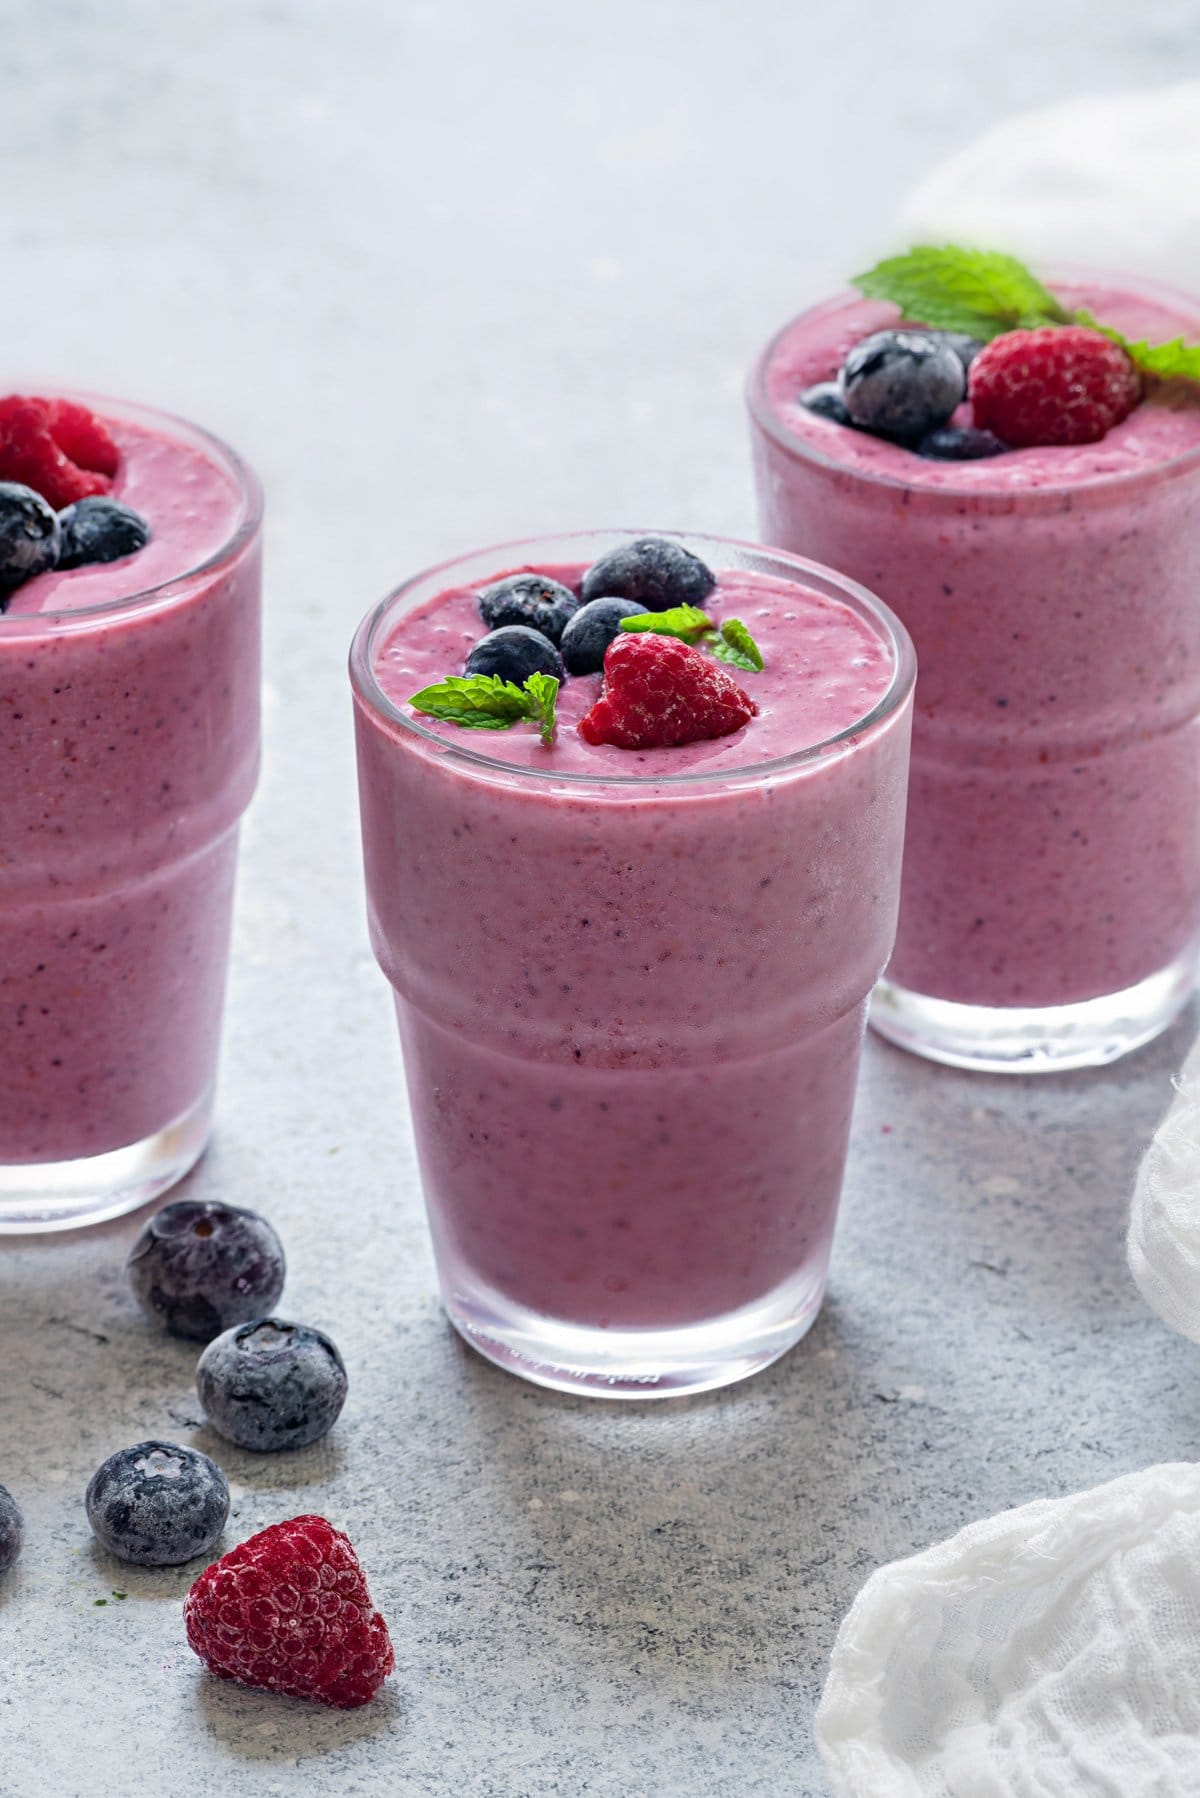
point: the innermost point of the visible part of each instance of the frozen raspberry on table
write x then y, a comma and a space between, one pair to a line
659, 693
31, 451
1058, 384
289, 1610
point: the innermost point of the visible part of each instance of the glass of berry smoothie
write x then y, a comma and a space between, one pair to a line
631, 955
129, 670
1050, 906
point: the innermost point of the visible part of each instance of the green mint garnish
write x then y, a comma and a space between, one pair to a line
734, 644
543, 690
1166, 360
984, 293
486, 702
730, 642
978, 292
688, 623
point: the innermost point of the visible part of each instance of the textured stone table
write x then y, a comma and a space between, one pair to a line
447, 273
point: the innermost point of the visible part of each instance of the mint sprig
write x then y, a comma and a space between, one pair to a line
486, 702
688, 623
984, 293
978, 292
734, 644
729, 642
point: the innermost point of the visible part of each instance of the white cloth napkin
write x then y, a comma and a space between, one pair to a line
1050, 1652
1108, 179
1164, 1219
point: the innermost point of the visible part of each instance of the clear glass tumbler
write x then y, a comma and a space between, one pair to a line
631, 1011
1050, 903
129, 736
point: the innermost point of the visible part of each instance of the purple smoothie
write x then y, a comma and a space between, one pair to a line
631, 985
1053, 846
129, 733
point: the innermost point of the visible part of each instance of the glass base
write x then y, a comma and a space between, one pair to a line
637, 1364
1036, 1039
37, 1196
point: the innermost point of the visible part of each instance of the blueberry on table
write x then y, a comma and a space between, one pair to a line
825, 399
157, 1504
12, 1529
514, 652
271, 1385
199, 1266
30, 536
901, 384
591, 631
529, 599
960, 443
97, 529
655, 572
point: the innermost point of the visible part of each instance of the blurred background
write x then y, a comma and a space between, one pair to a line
455, 270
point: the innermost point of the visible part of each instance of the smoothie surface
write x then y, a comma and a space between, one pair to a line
825, 670
1165, 426
191, 504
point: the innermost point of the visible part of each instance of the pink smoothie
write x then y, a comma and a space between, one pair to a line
129, 737
1053, 846
631, 985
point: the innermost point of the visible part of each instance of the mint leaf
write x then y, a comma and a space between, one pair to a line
485, 702
948, 288
543, 690
985, 294
1177, 359
479, 701
688, 623
734, 644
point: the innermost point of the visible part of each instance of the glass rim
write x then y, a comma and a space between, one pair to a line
250, 494
765, 416
371, 696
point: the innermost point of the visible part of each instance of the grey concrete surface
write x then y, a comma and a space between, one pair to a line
447, 273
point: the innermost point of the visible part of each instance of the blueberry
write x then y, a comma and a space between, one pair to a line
514, 652
964, 347
825, 399
271, 1384
96, 529
199, 1267
12, 1529
960, 443
157, 1504
901, 384
652, 570
529, 599
592, 630
30, 536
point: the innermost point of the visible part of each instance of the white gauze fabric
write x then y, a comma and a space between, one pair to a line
1164, 1219
1050, 1652
1108, 179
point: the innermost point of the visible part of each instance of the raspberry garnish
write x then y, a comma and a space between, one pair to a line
56, 447
658, 693
289, 1610
1058, 384
80, 435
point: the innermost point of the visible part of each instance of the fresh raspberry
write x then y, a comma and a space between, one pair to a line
658, 692
1058, 384
31, 453
80, 436
289, 1610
